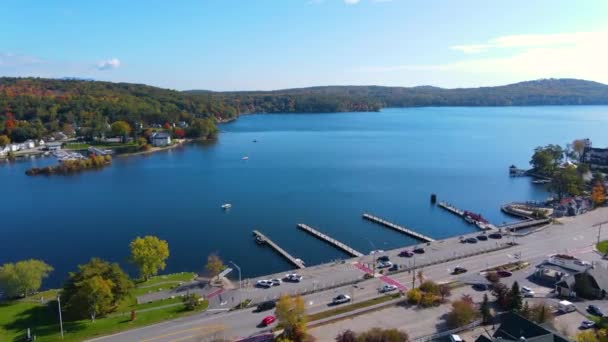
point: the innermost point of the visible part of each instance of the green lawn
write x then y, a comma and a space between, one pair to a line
16, 316
603, 247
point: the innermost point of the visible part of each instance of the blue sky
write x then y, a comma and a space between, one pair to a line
274, 44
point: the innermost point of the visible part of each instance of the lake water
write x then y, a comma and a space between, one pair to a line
324, 170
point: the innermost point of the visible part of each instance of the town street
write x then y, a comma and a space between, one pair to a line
573, 236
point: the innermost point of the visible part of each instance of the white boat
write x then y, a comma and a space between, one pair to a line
245, 158
226, 206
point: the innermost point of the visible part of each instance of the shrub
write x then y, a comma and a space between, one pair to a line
192, 301
414, 296
429, 286
462, 313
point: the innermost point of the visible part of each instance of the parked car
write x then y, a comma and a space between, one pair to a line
267, 305
595, 310
482, 237
383, 258
394, 268
527, 292
341, 299
406, 254
504, 273
471, 240
293, 277
587, 324
566, 306
459, 270
276, 282
377, 251
268, 320
419, 250
387, 288
264, 283
480, 287
384, 264
495, 236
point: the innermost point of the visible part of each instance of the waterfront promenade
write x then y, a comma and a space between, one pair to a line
573, 236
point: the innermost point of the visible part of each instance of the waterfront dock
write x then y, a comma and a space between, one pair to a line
330, 240
451, 209
264, 239
398, 228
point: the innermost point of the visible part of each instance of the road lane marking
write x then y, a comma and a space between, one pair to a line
180, 332
211, 331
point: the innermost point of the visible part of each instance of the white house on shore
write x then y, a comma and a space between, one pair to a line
160, 139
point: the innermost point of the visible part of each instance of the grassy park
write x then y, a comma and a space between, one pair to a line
603, 247
39, 313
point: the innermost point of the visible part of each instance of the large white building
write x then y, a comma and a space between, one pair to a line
160, 139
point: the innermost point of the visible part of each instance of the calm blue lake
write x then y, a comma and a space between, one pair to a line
324, 170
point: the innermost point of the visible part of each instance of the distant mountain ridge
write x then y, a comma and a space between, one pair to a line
373, 98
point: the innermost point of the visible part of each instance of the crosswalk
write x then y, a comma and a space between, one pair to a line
386, 279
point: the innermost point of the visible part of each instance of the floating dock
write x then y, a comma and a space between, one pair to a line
263, 238
330, 240
451, 209
398, 228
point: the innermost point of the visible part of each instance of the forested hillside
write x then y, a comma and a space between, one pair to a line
33, 107
372, 98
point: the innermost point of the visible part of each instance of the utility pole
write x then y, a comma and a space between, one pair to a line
414, 274
599, 230
60, 319
240, 285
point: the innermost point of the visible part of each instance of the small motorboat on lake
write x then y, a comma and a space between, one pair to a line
226, 206
245, 158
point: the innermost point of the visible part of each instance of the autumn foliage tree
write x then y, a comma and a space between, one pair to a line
463, 312
598, 194
4, 140
149, 254
179, 133
291, 315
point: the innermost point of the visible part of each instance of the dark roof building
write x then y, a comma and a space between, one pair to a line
591, 284
514, 327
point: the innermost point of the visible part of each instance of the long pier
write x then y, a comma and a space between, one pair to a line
451, 209
330, 240
398, 228
299, 263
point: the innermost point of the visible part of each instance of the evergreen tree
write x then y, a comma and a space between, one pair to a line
515, 298
484, 309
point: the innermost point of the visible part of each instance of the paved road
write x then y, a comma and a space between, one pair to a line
574, 236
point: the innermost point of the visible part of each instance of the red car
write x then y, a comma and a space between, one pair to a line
504, 273
268, 320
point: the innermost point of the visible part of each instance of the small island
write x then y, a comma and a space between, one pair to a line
72, 166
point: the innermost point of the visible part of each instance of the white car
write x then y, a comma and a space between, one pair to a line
385, 264
377, 251
387, 288
340, 299
293, 277
276, 282
587, 324
527, 292
264, 283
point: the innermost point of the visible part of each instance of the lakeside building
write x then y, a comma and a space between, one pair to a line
159, 139
589, 284
597, 158
53, 146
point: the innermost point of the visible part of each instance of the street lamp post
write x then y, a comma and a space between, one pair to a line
240, 284
60, 319
372, 256
599, 229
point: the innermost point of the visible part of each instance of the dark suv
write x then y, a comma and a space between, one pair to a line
266, 306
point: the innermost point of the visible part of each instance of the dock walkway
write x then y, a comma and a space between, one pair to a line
451, 209
330, 240
398, 228
299, 263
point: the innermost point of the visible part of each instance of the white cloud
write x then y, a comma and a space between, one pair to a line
108, 64
9, 59
351, 2
521, 57
534, 40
